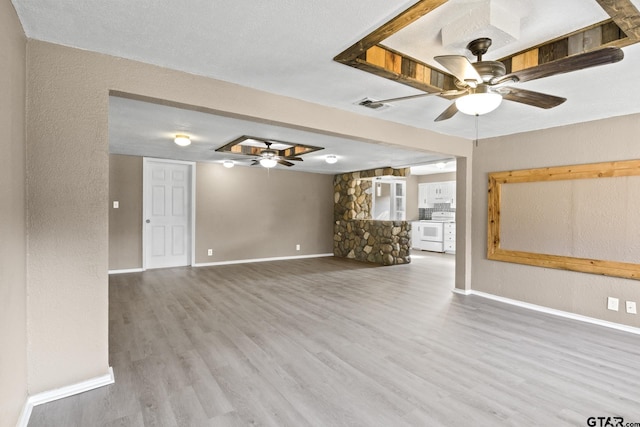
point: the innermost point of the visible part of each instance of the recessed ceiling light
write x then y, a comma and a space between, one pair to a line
182, 140
228, 164
331, 159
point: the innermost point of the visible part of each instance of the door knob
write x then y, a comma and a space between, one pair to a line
148, 221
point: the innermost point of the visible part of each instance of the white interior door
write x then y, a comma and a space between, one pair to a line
167, 213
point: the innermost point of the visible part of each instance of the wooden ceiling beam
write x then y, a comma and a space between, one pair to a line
368, 54
405, 18
625, 15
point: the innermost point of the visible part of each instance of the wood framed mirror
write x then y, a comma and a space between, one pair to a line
582, 218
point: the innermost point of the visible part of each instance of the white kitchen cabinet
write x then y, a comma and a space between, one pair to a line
423, 190
447, 192
399, 200
450, 237
415, 234
453, 196
433, 194
437, 192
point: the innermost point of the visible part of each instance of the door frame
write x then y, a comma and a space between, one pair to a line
192, 206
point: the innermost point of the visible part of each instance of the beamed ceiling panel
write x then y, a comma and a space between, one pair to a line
371, 55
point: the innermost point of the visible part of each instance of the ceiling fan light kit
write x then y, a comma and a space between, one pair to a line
331, 159
479, 102
182, 140
268, 162
228, 164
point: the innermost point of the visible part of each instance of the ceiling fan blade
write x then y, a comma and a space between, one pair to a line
255, 162
535, 99
448, 113
295, 159
460, 67
445, 93
607, 55
285, 163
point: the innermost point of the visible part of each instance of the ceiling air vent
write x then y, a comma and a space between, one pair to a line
372, 104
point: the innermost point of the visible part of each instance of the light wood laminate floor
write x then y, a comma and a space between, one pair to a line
330, 342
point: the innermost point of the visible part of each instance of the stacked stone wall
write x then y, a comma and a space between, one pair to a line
378, 242
356, 235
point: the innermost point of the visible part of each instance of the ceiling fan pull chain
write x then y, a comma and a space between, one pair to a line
477, 115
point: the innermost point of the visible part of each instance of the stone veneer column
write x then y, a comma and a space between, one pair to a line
356, 235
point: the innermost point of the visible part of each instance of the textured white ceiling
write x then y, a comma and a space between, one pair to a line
286, 47
145, 129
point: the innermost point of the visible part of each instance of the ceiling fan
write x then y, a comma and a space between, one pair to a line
265, 157
269, 157
265, 152
482, 85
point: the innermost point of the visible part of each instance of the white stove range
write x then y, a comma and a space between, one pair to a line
431, 232
442, 217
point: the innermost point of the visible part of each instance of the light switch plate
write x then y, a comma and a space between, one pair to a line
612, 303
116, 204
631, 307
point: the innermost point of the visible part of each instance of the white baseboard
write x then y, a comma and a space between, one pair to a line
127, 270
552, 311
23, 420
462, 291
61, 393
244, 261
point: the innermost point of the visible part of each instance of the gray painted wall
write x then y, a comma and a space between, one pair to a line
125, 223
251, 213
241, 213
412, 197
437, 177
581, 293
582, 218
13, 281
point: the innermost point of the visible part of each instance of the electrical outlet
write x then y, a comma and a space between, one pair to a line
297, 247
209, 252
116, 204
612, 303
631, 307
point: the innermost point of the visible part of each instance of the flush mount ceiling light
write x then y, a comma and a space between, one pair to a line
441, 165
228, 164
268, 162
331, 159
182, 140
482, 101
